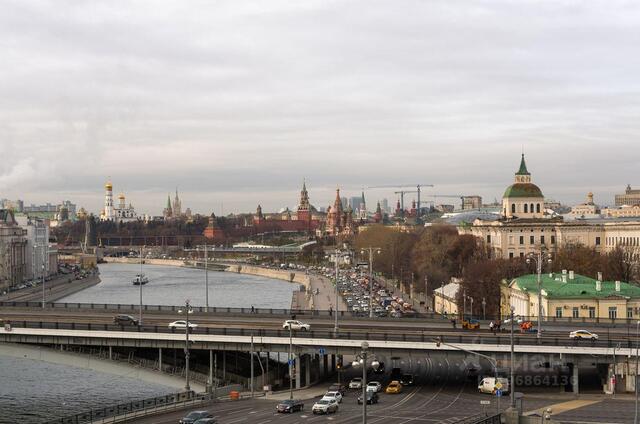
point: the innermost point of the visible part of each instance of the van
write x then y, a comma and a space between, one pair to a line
488, 385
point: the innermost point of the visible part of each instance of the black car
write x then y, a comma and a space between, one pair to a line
125, 320
372, 397
406, 380
290, 405
194, 416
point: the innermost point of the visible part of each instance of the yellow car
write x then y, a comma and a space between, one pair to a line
394, 387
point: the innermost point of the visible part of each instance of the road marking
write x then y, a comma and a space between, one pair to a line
237, 421
559, 408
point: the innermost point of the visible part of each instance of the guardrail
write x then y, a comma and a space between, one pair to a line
130, 408
462, 337
428, 316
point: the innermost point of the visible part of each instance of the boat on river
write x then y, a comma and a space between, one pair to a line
140, 279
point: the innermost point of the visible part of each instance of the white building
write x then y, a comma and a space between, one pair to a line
121, 213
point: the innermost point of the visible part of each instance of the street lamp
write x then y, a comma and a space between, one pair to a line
337, 255
186, 311
484, 309
512, 366
140, 283
361, 360
539, 258
290, 362
370, 250
635, 417
206, 277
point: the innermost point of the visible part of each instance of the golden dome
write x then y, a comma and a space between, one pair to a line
121, 196
108, 186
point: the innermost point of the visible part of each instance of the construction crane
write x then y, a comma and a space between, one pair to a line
402, 192
456, 196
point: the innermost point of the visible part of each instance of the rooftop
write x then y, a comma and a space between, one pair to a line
578, 287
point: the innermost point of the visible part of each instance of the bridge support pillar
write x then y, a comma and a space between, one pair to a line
110, 353
333, 362
298, 363
575, 380
325, 366
224, 366
307, 370
160, 359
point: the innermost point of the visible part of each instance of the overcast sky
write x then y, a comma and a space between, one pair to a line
235, 102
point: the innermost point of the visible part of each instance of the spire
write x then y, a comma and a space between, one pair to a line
304, 184
363, 202
523, 167
169, 202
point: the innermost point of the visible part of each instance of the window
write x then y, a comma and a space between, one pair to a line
541, 239
513, 208
532, 239
575, 312
510, 239
559, 312
488, 238
526, 208
522, 254
510, 255
521, 239
597, 241
531, 208
553, 239
592, 312
538, 208
629, 312
613, 312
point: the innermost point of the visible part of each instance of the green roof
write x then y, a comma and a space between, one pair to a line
580, 287
523, 190
523, 167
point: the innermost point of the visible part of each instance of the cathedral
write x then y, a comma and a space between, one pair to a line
339, 221
174, 211
121, 213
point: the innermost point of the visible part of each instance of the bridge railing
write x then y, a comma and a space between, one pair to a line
169, 309
463, 337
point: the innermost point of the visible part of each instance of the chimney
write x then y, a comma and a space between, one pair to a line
617, 285
572, 275
599, 276
564, 278
598, 285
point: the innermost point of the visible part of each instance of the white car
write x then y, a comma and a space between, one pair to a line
337, 396
355, 383
182, 324
374, 386
325, 406
583, 334
295, 325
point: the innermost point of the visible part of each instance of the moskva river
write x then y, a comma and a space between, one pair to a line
34, 391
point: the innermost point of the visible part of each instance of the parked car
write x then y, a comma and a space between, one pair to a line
406, 380
488, 385
337, 396
194, 416
355, 383
182, 324
295, 325
290, 405
372, 397
394, 387
374, 386
122, 319
325, 406
583, 334
338, 387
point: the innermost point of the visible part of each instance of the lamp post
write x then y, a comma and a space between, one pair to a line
484, 309
371, 250
337, 255
635, 417
206, 277
471, 299
290, 362
464, 304
538, 258
187, 310
512, 378
140, 285
361, 360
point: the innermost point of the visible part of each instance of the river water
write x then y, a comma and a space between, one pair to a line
33, 391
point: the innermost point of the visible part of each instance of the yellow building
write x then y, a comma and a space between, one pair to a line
570, 295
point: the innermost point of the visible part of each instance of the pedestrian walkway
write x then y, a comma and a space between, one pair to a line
308, 393
559, 408
326, 297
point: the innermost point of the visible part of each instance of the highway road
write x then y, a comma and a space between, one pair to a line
321, 326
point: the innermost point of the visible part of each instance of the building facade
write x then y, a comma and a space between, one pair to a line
471, 202
630, 197
119, 213
13, 250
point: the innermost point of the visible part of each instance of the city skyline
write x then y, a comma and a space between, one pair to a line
237, 102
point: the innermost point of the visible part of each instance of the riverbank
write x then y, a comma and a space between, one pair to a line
57, 288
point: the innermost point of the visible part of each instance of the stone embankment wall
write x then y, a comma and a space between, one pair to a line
169, 262
292, 276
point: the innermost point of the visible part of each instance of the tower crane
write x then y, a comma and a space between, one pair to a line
456, 196
402, 192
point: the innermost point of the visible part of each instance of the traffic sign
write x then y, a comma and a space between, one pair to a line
485, 402
499, 393
321, 351
498, 385
291, 361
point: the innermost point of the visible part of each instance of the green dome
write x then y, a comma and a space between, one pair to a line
523, 190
